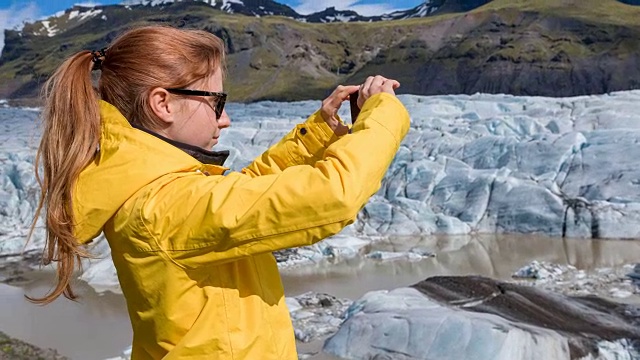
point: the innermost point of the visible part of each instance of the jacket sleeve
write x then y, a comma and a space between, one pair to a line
197, 220
305, 144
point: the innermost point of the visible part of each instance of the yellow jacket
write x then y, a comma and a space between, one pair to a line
192, 246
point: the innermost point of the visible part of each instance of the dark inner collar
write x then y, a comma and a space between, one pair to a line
202, 155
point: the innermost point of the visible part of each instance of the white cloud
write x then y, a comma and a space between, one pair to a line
15, 16
311, 6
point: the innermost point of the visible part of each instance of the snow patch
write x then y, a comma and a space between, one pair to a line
83, 15
338, 18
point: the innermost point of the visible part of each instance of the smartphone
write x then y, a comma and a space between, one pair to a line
355, 110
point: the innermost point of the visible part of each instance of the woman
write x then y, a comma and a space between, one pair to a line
192, 242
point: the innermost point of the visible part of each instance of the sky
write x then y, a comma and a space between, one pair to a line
13, 13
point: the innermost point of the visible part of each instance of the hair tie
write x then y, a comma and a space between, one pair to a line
98, 58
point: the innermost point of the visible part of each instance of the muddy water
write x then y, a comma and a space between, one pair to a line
97, 327
494, 256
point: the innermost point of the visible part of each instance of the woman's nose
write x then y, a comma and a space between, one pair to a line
224, 121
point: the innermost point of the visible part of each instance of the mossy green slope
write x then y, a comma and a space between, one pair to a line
533, 47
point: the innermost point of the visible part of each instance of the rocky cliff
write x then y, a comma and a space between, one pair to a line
563, 48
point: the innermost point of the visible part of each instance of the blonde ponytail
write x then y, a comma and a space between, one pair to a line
71, 134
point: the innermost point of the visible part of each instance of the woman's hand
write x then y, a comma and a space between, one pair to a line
371, 86
375, 85
331, 105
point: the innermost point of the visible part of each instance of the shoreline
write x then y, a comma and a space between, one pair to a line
14, 349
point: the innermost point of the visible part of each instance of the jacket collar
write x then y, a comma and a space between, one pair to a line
206, 157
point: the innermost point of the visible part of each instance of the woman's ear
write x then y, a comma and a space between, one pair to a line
161, 104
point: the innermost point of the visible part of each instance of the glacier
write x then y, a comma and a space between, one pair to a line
470, 164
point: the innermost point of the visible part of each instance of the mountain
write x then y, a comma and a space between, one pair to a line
332, 15
520, 47
243, 7
436, 7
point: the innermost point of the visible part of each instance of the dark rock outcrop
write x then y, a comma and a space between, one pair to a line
583, 320
635, 275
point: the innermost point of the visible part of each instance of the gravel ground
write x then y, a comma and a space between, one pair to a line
12, 349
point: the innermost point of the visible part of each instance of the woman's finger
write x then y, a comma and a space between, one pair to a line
333, 102
341, 93
389, 86
365, 88
377, 83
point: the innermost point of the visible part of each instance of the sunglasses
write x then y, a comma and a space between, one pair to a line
217, 101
